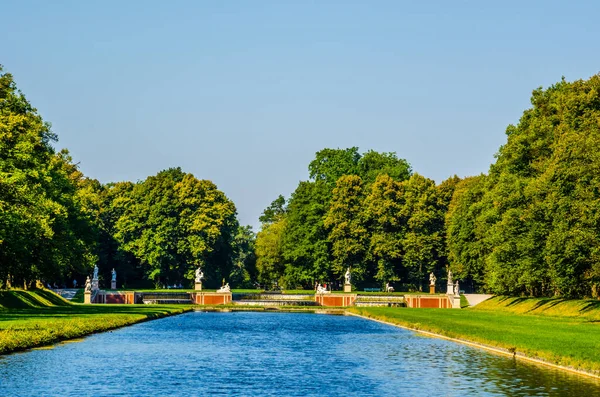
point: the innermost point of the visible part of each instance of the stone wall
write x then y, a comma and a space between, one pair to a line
335, 299
433, 302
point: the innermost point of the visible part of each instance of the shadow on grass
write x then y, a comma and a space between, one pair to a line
589, 306
513, 301
16, 299
547, 303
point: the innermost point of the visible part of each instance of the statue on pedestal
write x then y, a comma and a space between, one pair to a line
88, 284
348, 276
456, 288
114, 275
95, 277
450, 287
432, 280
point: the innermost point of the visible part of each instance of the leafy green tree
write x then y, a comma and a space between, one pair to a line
244, 270
423, 243
387, 226
114, 199
464, 235
269, 252
330, 164
45, 229
306, 250
535, 224
347, 229
275, 211
173, 223
372, 164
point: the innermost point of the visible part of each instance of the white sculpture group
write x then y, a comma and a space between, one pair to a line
322, 290
224, 289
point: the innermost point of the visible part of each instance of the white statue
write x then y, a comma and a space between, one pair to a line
449, 276
88, 284
456, 288
199, 275
95, 273
322, 290
114, 274
348, 276
432, 279
224, 288
388, 288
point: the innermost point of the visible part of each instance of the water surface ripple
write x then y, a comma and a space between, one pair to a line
274, 354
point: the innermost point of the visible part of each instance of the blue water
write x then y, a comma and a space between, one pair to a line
274, 354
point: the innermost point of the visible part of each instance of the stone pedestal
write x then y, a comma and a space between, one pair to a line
87, 297
456, 302
198, 286
450, 290
113, 284
432, 289
95, 284
347, 287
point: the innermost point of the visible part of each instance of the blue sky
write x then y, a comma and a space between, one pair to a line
245, 92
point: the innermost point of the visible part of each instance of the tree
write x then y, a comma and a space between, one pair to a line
115, 198
387, 227
464, 235
274, 211
423, 243
372, 164
46, 231
330, 164
174, 223
306, 250
346, 225
244, 270
269, 252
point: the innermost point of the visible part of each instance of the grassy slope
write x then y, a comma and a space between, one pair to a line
567, 335
36, 318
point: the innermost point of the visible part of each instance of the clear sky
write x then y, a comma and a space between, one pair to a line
245, 92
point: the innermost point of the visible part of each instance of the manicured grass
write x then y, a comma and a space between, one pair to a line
555, 307
37, 318
569, 341
19, 299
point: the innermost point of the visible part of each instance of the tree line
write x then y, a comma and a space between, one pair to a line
530, 226
368, 212
56, 223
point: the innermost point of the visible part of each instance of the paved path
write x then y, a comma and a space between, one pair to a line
67, 293
475, 299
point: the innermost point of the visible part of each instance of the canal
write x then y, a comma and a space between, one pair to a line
274, 354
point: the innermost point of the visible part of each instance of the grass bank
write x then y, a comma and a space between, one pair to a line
37, 318
569, 340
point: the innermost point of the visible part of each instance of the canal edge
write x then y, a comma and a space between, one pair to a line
496, 350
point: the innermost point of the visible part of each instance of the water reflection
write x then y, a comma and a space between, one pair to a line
275, 354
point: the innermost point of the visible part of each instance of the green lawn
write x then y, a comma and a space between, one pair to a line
569, 340
36, 318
